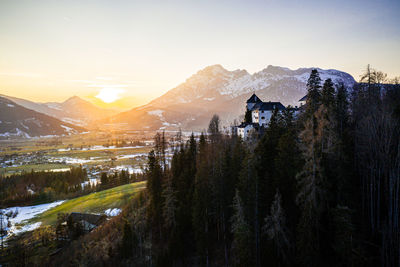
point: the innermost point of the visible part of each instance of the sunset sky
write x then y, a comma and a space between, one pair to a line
138, 50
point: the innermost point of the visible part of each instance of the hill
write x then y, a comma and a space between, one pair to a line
97, 202
74, 110
19, 122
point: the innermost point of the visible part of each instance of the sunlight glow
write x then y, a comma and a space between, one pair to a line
109, 95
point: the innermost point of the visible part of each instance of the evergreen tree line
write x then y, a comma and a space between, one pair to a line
117, 179
320, 188
41, 187
44, 186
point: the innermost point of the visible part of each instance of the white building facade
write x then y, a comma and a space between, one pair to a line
245, 130
261, 113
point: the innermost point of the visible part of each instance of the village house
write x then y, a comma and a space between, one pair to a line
261, 113
87, 221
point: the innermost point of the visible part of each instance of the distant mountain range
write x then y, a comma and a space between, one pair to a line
189, 106
215, 90
17, 121
74, 110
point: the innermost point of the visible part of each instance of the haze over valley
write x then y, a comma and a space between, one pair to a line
212, 90
200, 133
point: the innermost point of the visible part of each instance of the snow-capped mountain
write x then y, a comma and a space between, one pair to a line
215, 82
17, 121
216, 90
74, 110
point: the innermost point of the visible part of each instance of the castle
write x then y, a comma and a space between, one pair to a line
261, 113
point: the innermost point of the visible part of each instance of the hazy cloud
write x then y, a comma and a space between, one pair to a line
108, 85
21, 74
104, 78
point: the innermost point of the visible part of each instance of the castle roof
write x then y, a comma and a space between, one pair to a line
269, 106
304, 98
253, 99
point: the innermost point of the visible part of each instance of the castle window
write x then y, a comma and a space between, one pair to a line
263, 118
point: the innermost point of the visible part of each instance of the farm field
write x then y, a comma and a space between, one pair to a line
36, 167
107, 202
100, 151
97, 202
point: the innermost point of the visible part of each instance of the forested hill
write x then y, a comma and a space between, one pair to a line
319, 189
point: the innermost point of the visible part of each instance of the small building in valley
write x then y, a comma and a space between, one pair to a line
86, 221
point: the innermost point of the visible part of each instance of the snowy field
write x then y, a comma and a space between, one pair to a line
112, 212
93, 148
23, 214
130, 169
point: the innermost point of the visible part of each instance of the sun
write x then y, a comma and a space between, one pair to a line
109, 95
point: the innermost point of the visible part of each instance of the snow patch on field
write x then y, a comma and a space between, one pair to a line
131, 170
26, 228
23, 214
98, 148
91, 182
131, 156
69, 160
112, 212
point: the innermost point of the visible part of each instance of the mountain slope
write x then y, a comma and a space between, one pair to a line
18, 121
216, 90
74, 110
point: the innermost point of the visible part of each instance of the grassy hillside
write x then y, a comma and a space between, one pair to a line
93, 203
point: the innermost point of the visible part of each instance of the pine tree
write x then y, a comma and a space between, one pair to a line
341, 109
154, 187
202, 204
288, 163
343, 235
250, 189
328, 94
241, 235
266, 152
127, 241
213, 129
276, 230
169, 208
104, 180
310, 197
313, 93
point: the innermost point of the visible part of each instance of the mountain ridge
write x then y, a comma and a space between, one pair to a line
214, 89
17, 121
73, 110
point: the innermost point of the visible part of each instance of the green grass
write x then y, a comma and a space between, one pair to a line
93, 203
103, 153
35, 167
